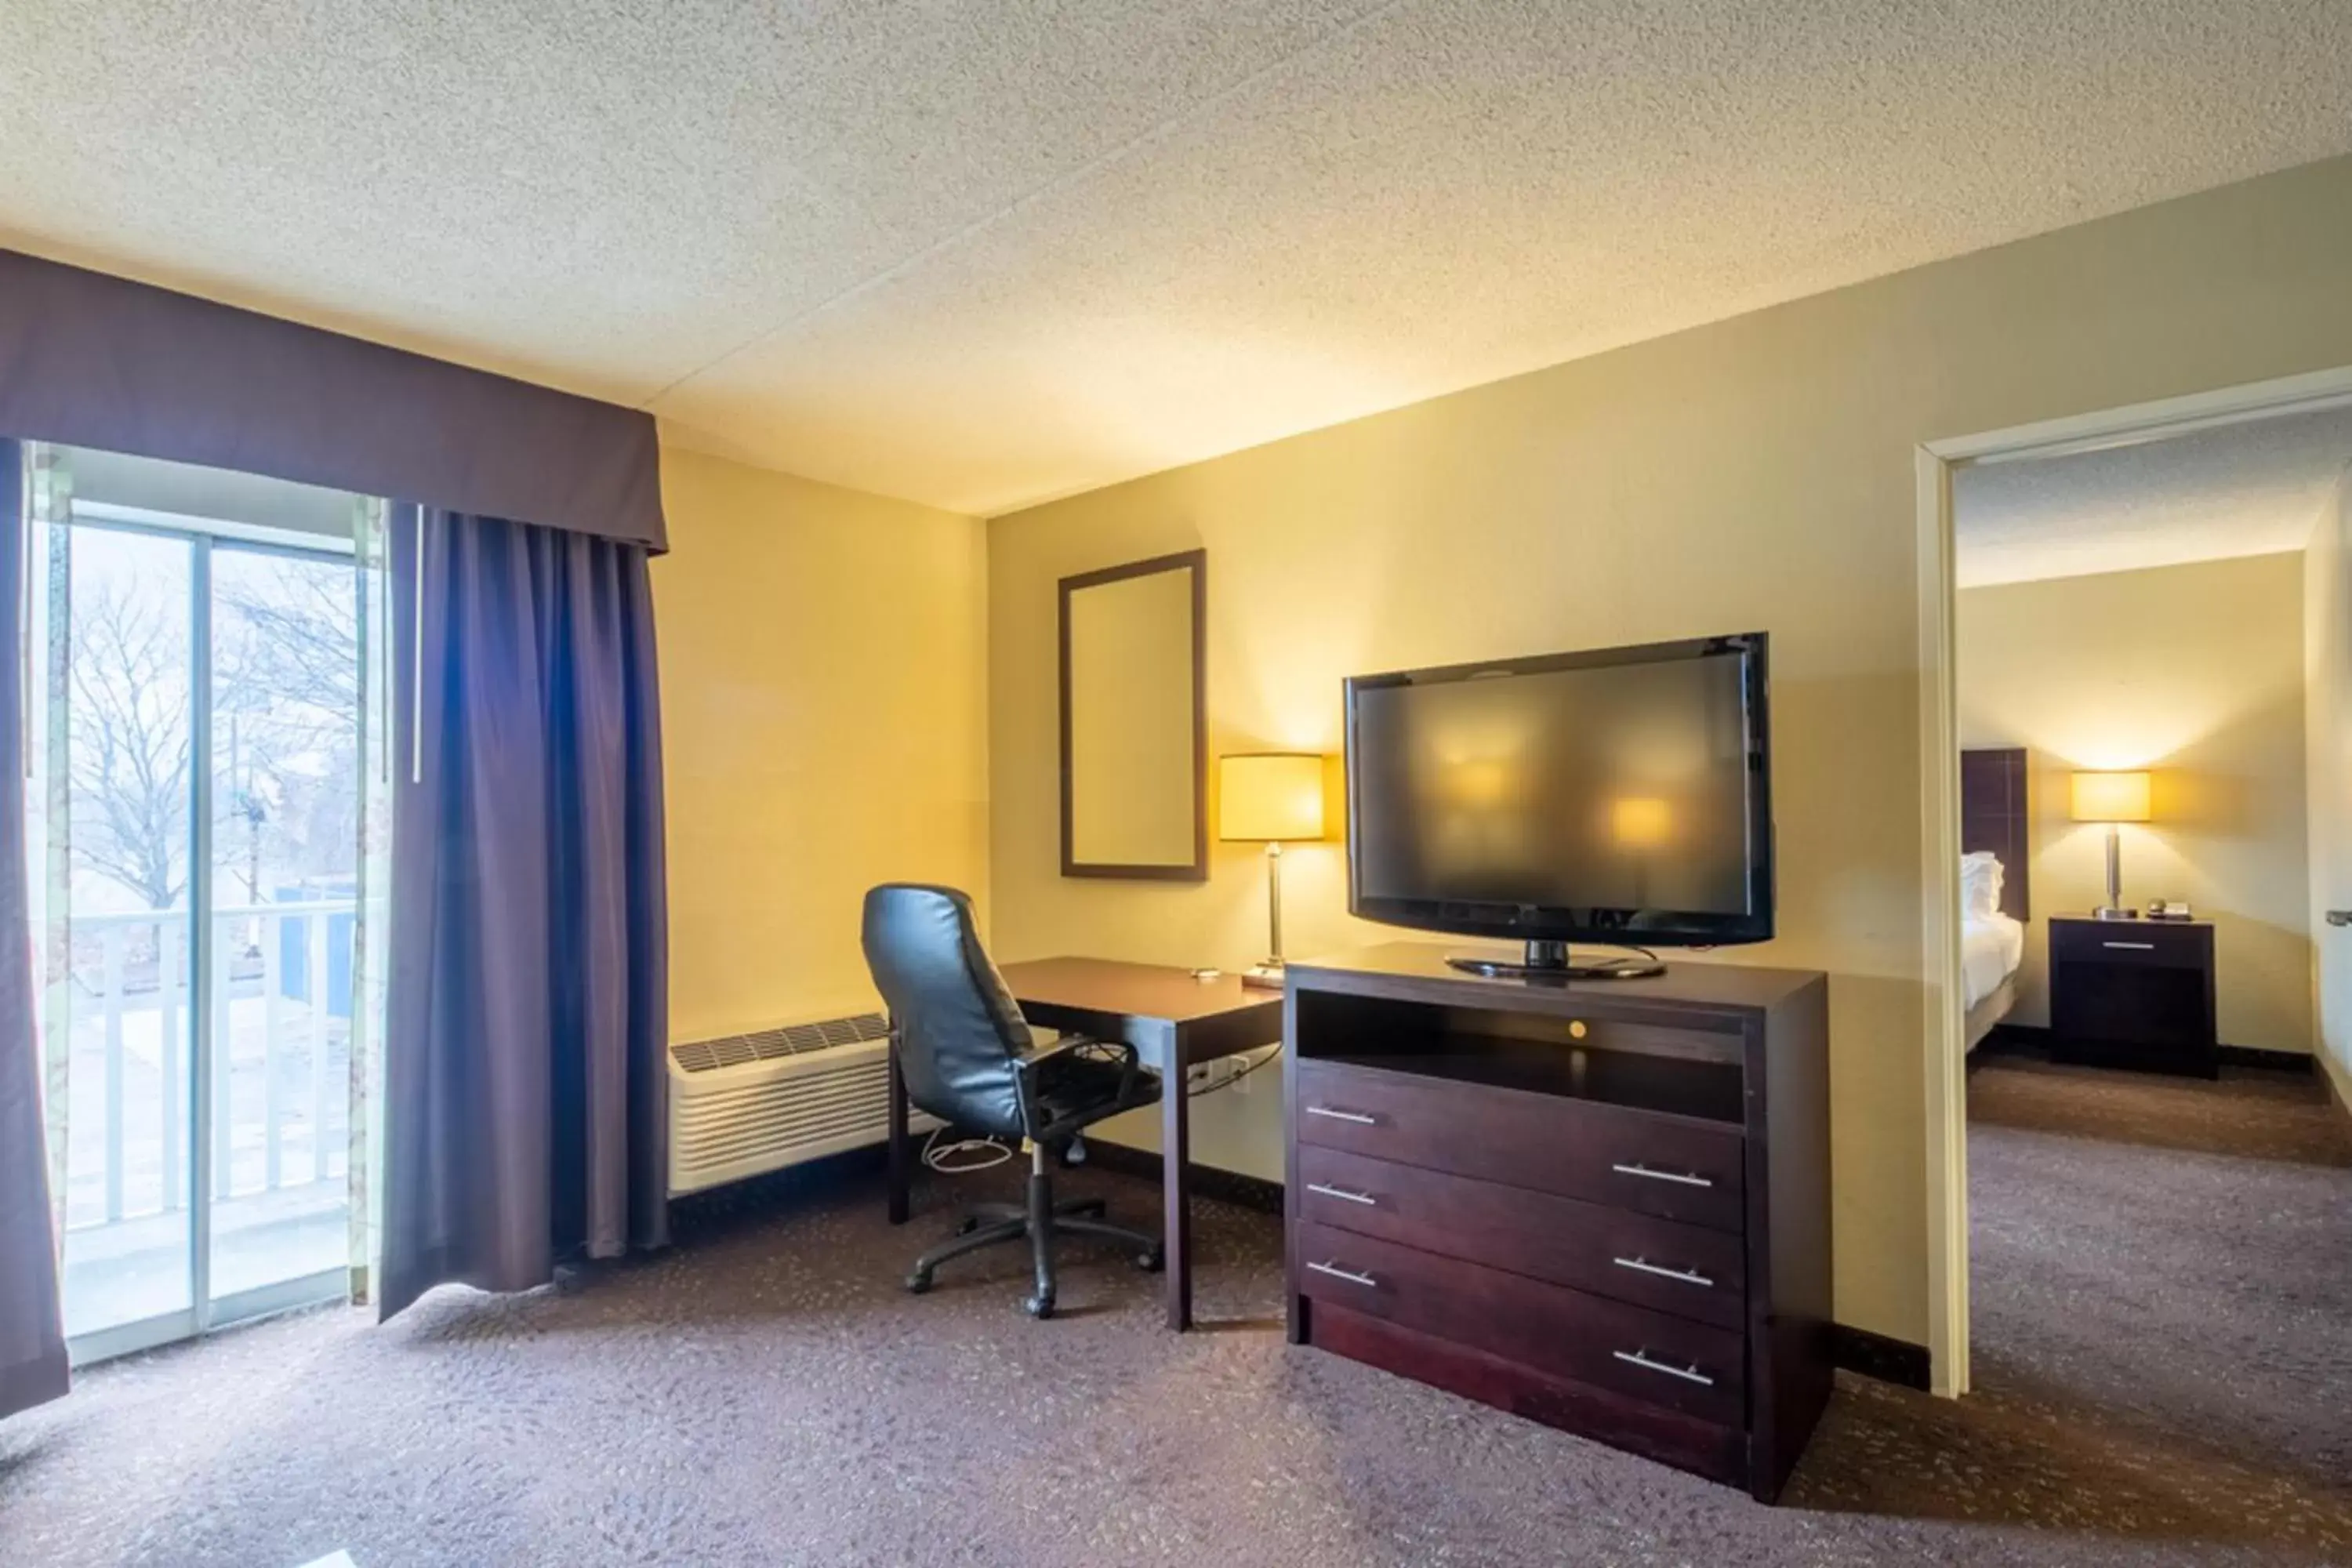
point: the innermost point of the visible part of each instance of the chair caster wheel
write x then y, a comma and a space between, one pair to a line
1038, 1306
918, 1283
1153, 1261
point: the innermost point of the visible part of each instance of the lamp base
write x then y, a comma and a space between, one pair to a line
1266, 975
2109, 912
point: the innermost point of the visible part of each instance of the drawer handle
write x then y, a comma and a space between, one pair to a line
1675, 1176
1643, 1265
1365, 1198
1349, 1275
1687, 1373
2131, 946
1357, 1117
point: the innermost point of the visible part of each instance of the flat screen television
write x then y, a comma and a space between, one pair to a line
1621, 796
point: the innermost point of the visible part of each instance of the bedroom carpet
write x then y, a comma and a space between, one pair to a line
2164, 1299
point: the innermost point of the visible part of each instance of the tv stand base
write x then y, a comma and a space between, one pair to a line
1551, 961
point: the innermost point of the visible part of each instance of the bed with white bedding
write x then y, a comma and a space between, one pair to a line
1992, 947
1995, 900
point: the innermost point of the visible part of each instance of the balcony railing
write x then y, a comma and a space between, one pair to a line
280, 1032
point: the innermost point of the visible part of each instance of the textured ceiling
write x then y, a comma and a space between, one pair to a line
2253, 489
978, 254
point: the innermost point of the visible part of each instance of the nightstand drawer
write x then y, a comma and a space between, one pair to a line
2133, 994
2131, 942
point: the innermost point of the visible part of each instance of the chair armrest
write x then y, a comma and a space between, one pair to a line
1066, 1044
1130, 1064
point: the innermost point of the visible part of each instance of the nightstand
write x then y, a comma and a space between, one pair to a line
2134, 993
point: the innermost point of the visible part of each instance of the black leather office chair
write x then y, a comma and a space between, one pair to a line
968, 1058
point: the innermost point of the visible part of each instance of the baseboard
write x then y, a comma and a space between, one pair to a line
2034, 1039
1208, 1182
2270, 1061
2339, 1083
1880, 1356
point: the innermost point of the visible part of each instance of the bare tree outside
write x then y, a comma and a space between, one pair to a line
286, 705
286, 699
129, 756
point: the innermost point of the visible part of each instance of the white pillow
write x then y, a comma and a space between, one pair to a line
1980, 883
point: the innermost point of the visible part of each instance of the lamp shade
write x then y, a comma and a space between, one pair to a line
1270, 796
2111, 797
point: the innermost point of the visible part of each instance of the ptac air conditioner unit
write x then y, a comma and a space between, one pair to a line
749, 1104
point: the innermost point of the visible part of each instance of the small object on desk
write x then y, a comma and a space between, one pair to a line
1204, 975
2170, 909
2140, 997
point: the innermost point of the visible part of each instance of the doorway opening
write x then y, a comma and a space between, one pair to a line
2114, 663
202, 800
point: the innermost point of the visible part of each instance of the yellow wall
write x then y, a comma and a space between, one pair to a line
2328, 674
1755, 473
2196, 674
824, 683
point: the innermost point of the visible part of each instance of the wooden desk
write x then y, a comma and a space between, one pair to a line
1173, 1021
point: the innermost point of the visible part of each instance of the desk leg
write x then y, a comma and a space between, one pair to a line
898, 1139
1176, 1192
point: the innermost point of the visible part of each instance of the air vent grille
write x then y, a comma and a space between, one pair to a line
769, 1045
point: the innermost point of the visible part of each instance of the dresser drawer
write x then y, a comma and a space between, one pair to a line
1634, 1257
1669, 1166
1672, 1362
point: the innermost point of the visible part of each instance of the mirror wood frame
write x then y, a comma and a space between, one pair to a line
1195, 561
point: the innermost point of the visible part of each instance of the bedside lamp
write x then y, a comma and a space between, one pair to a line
2112, 799
1268, 797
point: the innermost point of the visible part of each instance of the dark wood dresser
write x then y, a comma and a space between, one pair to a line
1604, 1205
2134, 993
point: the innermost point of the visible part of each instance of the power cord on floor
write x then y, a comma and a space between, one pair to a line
978, 1155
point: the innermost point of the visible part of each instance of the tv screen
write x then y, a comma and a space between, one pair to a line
1622, 795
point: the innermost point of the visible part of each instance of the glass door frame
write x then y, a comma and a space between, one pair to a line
204, 1313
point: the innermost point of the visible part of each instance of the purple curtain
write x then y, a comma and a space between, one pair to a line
32, 1336
525, 1086
87, 360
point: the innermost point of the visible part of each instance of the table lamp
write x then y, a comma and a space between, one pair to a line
1268, 797
2112, 799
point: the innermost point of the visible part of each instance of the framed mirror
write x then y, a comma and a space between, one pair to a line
1135, 741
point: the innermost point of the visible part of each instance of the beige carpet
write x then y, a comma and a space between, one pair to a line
2164, 1291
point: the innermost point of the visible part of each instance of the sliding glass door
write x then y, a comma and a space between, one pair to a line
124, 708
283, 726
202, 820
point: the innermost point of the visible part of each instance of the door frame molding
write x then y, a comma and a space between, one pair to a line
1933, 465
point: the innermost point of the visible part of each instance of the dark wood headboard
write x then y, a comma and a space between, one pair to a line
1993, 816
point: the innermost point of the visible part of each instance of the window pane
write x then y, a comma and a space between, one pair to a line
127, 754
286, 801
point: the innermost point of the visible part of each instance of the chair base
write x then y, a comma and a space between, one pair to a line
988, 1224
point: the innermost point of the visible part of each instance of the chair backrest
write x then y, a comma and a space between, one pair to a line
958, 1027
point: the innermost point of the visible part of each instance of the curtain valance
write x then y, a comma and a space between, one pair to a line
91, 360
